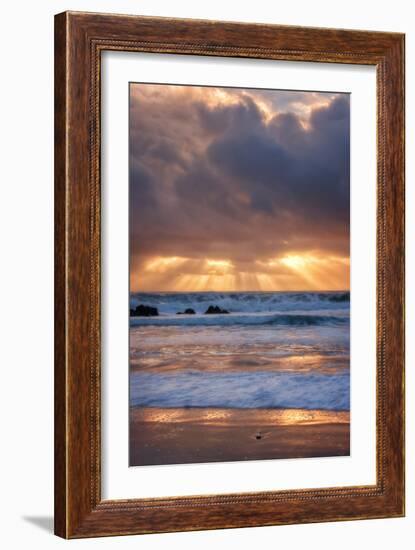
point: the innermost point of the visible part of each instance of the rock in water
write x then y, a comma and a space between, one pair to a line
188, 311
144, 311
215, 309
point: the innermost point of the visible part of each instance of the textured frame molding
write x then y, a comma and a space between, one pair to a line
79, 40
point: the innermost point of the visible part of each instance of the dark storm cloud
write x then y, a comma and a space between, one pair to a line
225, 179
282, 166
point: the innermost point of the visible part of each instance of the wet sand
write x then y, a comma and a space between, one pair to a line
193, 435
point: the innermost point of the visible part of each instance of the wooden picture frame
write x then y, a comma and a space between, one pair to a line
79, 40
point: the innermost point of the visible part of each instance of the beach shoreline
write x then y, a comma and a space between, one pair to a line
199, 435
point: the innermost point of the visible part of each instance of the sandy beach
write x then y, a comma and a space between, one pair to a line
270, 379
180, 436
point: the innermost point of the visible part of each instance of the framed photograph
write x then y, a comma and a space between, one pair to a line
229, 275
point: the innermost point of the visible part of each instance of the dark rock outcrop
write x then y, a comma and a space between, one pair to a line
144, 311
215, 309
188, 311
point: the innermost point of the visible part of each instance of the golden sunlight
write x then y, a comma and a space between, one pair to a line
160, 265
219, 267
319, 272
294, 271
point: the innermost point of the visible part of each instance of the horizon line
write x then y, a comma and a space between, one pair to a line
231, 291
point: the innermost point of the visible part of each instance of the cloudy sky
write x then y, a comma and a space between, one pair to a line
238, 189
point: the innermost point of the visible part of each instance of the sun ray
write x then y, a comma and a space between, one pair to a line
292, 271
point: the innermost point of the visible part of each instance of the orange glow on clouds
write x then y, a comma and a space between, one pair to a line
238, 189
293, 271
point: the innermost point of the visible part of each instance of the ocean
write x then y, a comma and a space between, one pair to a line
274, 350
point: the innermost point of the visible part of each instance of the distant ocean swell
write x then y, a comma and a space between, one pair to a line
247, 302
300, 320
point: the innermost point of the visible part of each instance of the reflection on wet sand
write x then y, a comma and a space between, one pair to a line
181, 436
238, 417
